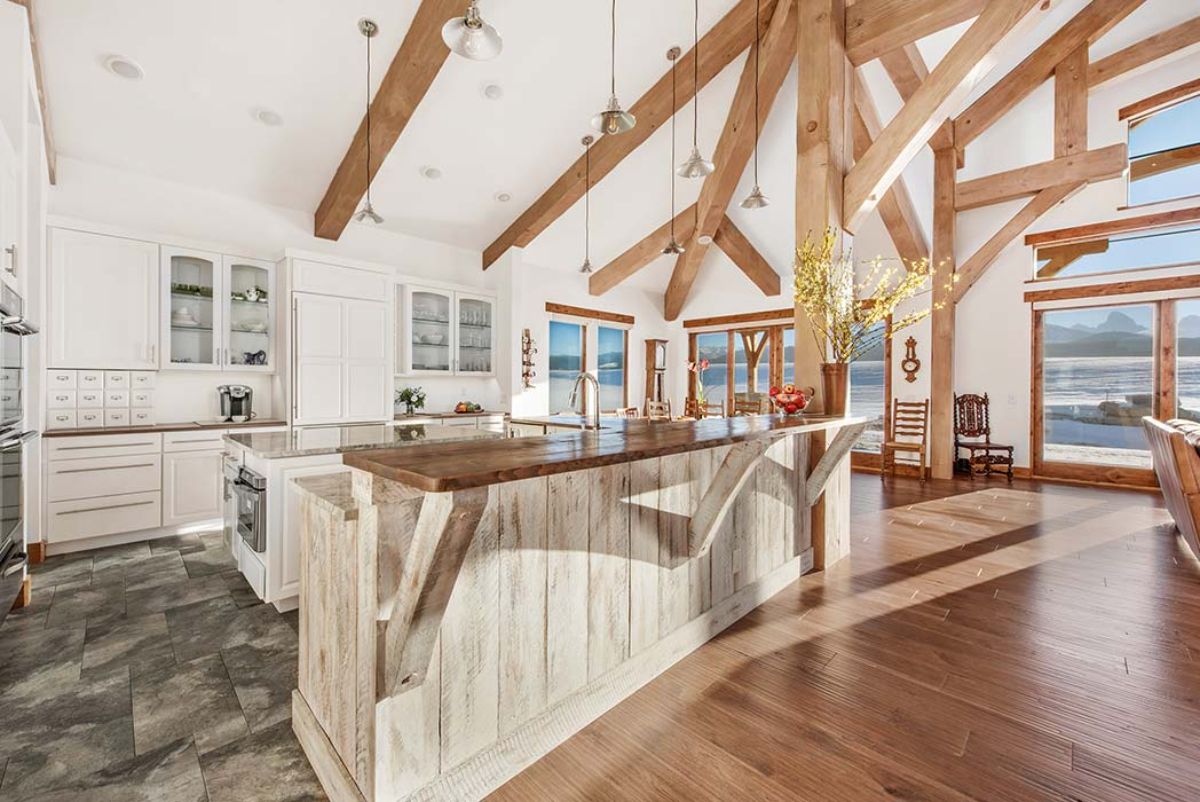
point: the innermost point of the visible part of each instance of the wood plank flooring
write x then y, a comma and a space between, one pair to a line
983, 642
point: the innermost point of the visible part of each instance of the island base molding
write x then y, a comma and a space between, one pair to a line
575, 590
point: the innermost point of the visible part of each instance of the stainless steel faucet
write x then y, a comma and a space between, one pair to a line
586, 378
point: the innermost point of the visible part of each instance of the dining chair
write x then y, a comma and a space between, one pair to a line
658, 410
909, 434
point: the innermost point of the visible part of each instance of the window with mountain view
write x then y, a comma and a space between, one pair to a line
1164, 154
713, 346
868, 396
566, 361
1098, 370
1187, 355
610, 368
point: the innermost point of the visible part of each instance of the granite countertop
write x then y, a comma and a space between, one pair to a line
485, 413
187, 426
607, 422
439, 468
315, 441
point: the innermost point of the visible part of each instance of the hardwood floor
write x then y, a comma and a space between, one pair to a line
986, 641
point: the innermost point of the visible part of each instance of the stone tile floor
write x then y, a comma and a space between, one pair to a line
149, 672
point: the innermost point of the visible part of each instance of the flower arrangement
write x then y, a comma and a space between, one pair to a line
413, 399
698, 367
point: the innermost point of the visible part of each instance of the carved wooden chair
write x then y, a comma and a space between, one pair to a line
658, 410
909, 434
973, 433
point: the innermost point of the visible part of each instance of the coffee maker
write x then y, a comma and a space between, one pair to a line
236, 401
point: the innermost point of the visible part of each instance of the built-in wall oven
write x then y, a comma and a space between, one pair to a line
250, 498
13, 437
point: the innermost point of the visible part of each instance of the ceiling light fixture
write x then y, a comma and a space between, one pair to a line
268, 117
368, 28
614, 119
432, 173
470, 37
503, 197
696, 165
493, 91
756, 199
124, 67
587, 205
673, 247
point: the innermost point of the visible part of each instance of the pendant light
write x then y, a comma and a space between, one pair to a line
587, 205
696, 165
614, 119
673, 247
756, 199
470, 37
368, 28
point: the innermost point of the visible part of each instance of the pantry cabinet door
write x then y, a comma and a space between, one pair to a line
192, 487
103, 302
319, 342
367, 362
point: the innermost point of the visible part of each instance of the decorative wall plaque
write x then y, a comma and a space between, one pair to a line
910, 364
527, 352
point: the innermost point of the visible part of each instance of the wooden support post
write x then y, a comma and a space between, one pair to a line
1071, 104
941, 368
737, 467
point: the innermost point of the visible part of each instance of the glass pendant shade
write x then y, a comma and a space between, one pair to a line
614, 119
696, 166
470, 37
367, 214
756, 199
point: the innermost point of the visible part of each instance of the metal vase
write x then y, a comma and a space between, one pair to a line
835, 387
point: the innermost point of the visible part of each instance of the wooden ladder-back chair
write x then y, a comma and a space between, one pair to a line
751, 404
658, 410
692, 408
910, 434
973, 432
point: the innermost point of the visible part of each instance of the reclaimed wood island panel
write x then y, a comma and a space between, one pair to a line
464, 608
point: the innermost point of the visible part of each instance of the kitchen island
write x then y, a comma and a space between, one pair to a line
465, 607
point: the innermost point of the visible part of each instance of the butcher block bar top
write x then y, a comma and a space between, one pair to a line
440, 468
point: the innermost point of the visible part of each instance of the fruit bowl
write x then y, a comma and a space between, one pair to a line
790, 399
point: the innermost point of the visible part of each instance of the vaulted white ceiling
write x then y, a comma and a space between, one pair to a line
209, 65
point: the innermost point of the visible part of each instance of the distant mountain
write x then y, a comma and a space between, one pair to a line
1109, 343
1189, 326
1119, 322
1063, 334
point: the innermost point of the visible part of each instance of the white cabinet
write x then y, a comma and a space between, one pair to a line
342, 363
10, 213
191, 486
103, 302
217, 311
444, 332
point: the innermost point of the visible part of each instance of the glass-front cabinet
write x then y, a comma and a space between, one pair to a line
217, 312
442, 332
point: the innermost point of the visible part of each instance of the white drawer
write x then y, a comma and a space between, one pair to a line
10, 378
141, 417
60, 419
90, 380
90, 417
61, 399
89, 399
60, 380
73, 520
141, 398
103, 476
116, 417
116, 398
142, 379
204, 440
116, 380
102, 445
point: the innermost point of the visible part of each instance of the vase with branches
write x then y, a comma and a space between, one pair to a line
846, 311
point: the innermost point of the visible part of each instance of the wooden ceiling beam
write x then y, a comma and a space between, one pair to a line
1152, 48
734, 148
416, 64
1092, 165
1097, 18
973, 269
896, 208
1060, 257
875, 27
642, 253
907, 69
721, 45
1071, 104
971, 57
734, 244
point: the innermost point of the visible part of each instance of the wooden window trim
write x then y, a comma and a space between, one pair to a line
774, 335
745, 320
1160, 101
1110, 227
1109, 289
591, 314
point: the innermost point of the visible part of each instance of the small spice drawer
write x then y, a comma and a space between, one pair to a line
116, 398
89, 417
61, 399
61, 380
60, 419
141, 417
141, 398
89, 399
89, 380
116, 380
116, 417
142, 379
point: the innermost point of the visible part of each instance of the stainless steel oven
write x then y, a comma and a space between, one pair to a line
250, 495
13, 328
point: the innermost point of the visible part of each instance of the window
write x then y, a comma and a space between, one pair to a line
567, 358
610, 368
1098, 380
1187, 355
752, 347
1164, 153
714, 347
789, 356
868, 390
1119, 252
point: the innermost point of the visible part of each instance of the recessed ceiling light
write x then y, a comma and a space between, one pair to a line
124, 67
704, 239
503, 197
432, 173
493, 91
267, 117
